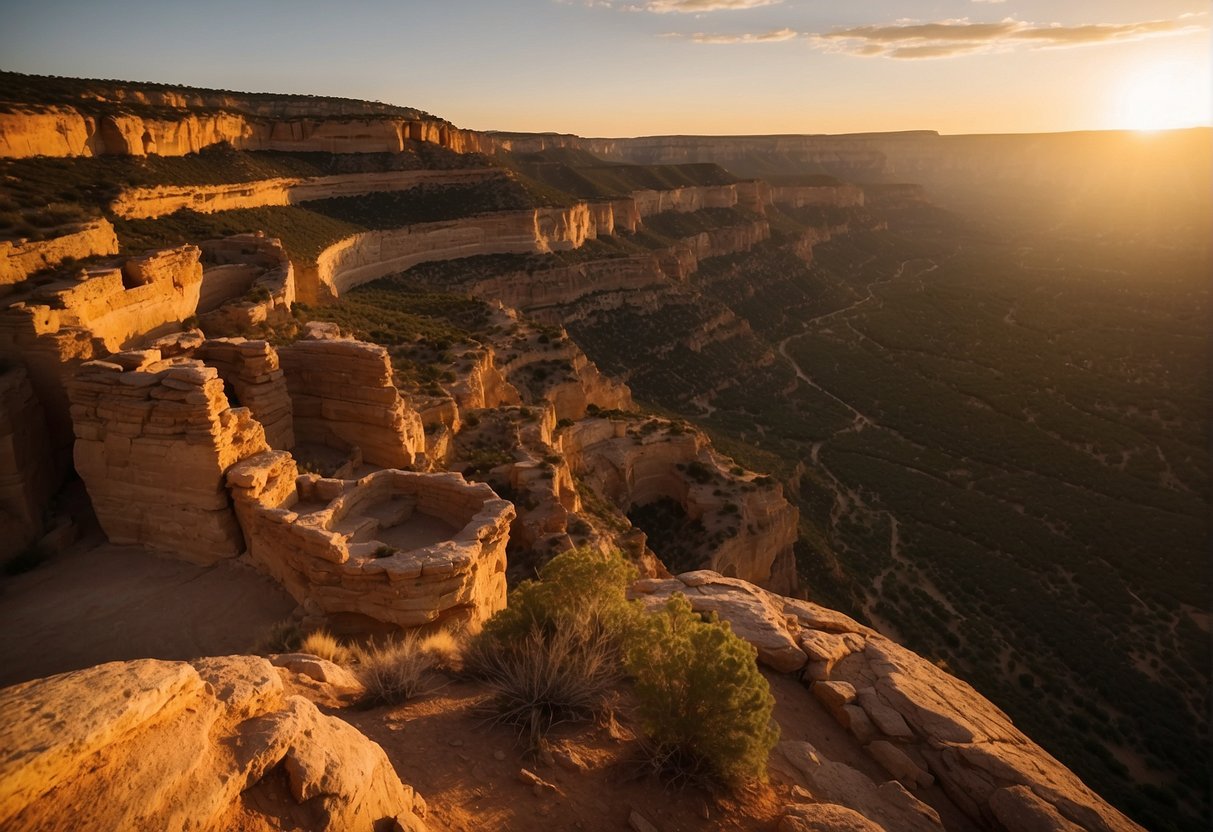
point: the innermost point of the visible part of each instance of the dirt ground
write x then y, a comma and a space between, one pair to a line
96, 603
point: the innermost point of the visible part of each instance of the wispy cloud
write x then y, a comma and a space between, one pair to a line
774, 36
949, 38
686, 6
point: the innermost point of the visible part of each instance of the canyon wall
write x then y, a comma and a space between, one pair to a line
66, 131
145, 203
28, 473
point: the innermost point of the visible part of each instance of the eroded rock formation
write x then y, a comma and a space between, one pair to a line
343, 396
638, 461
214, 745
153, 441
394, 548
20, 259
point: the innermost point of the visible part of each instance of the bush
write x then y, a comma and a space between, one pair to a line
546, 678
579, 590
702, 702
324, 644
555, 652
397, 671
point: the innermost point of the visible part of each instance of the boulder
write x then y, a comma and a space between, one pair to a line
155, 745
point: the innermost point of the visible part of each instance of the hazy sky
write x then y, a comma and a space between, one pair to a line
636, 67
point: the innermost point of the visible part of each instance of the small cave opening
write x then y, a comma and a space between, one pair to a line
678, 540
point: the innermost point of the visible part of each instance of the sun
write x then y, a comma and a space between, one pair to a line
1162, 96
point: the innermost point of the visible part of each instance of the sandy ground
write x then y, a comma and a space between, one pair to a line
96, 602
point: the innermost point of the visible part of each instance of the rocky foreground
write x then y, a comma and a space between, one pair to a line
227, 743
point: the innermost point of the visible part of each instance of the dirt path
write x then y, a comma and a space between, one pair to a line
97, 603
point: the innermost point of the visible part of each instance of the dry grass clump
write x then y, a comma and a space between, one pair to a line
547, 678
406, 667
324, 644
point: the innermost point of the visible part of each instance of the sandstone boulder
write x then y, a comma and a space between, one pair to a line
825, 817
153, 745
753, 613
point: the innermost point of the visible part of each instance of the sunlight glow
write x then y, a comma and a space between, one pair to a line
1162, 96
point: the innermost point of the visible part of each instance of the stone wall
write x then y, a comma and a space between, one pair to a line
53, 326
153, 441
247, 281
253, 379
323, 540
343, 395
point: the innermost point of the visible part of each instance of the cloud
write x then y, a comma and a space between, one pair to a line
687, 6
949, 38
774, 36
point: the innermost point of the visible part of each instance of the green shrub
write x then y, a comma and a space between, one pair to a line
702, 702
580, 589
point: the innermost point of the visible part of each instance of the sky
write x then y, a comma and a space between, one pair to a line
652, 67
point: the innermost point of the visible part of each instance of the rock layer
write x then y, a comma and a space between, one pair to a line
343, 396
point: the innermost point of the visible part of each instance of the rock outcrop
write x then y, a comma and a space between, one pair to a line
247, 281
20, 259
213, 745
920, 723
393, 549
637, 461
252, 378
343, 396
153, 441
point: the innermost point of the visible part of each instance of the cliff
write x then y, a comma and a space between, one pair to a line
67, 131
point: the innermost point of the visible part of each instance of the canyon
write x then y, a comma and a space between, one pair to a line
395, 426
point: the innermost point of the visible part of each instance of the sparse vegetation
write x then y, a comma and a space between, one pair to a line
703, 703
324, 644
401, 669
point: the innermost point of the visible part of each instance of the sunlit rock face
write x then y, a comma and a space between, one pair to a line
215, 744
153, 441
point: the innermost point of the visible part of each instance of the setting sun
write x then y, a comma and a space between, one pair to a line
1161, 97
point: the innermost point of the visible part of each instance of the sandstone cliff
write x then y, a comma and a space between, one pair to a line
18, 260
